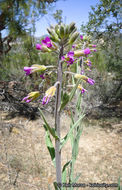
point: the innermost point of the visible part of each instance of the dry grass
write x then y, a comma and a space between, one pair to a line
26, 165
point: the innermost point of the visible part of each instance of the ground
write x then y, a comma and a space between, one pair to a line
25, 163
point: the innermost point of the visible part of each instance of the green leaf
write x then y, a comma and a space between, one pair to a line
64, 172
65, 100
78, 105
74, 89
56, 186
76, 144
73, 80
65, 139
71, 136
49, 145
76, 179
51, 130
119, 186
69, 97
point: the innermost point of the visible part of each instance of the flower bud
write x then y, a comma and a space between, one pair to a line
45, 49
71, 27
39, 46
48, 94
78, 53
81, 89
73, 37
79, 76
66, 31
92, 45
34, 68
61, 31
54, 37
31, 97
85, 78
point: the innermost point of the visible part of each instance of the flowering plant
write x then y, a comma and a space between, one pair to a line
62, 38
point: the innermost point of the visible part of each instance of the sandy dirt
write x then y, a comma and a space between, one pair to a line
25, 163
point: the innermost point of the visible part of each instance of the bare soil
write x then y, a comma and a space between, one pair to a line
25, 163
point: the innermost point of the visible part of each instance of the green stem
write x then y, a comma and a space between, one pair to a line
57, 118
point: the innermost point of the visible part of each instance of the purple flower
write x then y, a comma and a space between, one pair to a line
31, 96
47, 42
88, 62
84, 78
63, 58
73, 46
28, 70
70, 54
87, 51
48, 94
69, 59
39, 46
26, 99
45, 100
94, 50
81, 89
82, 72
34, 68
93, 46
42, 76
90, 81
81, 37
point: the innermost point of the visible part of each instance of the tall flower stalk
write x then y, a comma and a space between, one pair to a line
57, 117
62, 38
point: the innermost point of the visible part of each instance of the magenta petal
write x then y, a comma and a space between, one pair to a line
43, 42
82, 91
47, 42
89, 64
49, 45
62, 58
47, 39
82, 72
45, 100
73, 46
87, 51
90, 81
27, 70
38, 46
93, 46
42, 76
28, 100
70, 53
81, 37
25, 98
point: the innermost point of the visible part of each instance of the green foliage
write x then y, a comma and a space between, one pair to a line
104, 26
64, 173
63, 34
49, 145
51, 130
58, 16
17, 17
65, 139
99, 61
22, 54
67, 98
